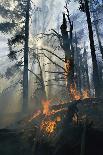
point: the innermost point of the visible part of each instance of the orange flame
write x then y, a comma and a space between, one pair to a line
85, 94
46, 104
49, 126
74, 93
67, 70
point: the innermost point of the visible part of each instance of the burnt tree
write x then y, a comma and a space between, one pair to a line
67, 47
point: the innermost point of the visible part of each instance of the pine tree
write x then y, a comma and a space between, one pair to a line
95, 18
26, 50
84, 6
21, 36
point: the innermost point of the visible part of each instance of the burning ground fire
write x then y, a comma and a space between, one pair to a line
76, 95
49, 125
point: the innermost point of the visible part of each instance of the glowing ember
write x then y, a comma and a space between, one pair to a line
85, 94
74, 93
49, 126
56, 111
58, 119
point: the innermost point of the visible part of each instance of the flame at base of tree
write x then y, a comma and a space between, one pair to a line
85, 94
75, 95
49, 124
72, 89
46, 104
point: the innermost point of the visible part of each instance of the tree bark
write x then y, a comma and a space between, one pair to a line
77, 65
92, 46
87, 84
26, 49
95, 17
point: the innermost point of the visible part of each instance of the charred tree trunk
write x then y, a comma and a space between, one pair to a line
71, 44
92, 46
26, 49
69, 63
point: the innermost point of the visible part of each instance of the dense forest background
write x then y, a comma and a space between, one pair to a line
49, 49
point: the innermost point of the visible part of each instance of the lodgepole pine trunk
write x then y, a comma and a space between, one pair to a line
92, 46
26, 49
77, 63
95, 17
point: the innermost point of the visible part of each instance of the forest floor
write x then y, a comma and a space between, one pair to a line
23, 140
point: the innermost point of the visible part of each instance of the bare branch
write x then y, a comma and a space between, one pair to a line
52, 53
54, 85
54, 62
55, 72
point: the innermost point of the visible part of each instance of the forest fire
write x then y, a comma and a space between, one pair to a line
49, 126
75, 95
46, 104
85, 94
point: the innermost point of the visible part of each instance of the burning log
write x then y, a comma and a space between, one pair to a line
53, 117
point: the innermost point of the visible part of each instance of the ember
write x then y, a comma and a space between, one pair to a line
85, 94
49, 126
